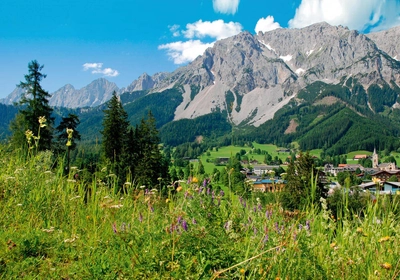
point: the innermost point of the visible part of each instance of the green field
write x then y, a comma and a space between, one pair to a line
56, 227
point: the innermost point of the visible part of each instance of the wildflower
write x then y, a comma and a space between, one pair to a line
384, 239
178, 189
300, 227
184, 225
29, 135
265, 238
204, 183
140, 217
221, 193
386, 265
242, 271
308, 225
167, 200
51, 229
259, 206
228, 225
359, 230
194, 221
114, 227
195, 180
42, 121
333, 245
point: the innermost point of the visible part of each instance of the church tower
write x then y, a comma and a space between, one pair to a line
375, 159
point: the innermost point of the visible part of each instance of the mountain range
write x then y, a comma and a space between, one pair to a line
251, 79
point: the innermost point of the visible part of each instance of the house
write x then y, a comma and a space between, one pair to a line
264, 169
222, 160
391, 187
384, 175
268, 185
387, 166
357, 157
385, 187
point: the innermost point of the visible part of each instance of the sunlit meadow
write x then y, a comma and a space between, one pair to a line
64, 227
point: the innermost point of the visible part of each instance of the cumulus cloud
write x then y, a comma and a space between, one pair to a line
266, 24
226, 6
355, 14
186, 51
217, 29
97, 68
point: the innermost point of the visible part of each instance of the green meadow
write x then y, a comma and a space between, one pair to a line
57, 226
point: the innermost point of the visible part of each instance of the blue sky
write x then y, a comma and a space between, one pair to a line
82, 40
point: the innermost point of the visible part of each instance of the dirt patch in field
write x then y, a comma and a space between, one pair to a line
292, 127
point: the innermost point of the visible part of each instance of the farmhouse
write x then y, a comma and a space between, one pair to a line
264, 169
384, 175
268, 185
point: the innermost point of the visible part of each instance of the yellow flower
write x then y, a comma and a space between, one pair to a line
42, 121
29, 135
167, 200
386, 265
359, 230
333, 245
242, 271
69, 132
195, 180
68, 143
384, 239
178, 189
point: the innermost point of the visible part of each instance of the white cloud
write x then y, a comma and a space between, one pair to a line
226, 6
97, 68
88, 66
217, 29
266, 24
184, 52
355, 14
175, 30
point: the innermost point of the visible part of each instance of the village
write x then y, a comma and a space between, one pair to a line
385, 177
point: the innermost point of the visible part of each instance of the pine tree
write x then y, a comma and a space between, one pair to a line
34, 104
297, 191
151, 165
115, 132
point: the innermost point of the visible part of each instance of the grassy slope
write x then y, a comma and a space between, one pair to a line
49, 231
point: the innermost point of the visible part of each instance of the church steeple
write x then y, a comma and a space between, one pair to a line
375, 159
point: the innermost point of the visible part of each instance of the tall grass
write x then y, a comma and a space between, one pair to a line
57, 226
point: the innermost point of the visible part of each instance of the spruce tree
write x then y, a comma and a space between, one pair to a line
151, 165
34, 104
115, 132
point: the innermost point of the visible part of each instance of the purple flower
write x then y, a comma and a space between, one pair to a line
114, 227
255, 209
308, 225
186, 194
194, 221
151, 209
259, 207
208, 191
204, 183
277, 227
200, 190
184, 225
221, 193
146, 191
265, 238
300, 226
179, 219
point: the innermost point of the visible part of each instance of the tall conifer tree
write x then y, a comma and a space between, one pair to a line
34, 104
115, 133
